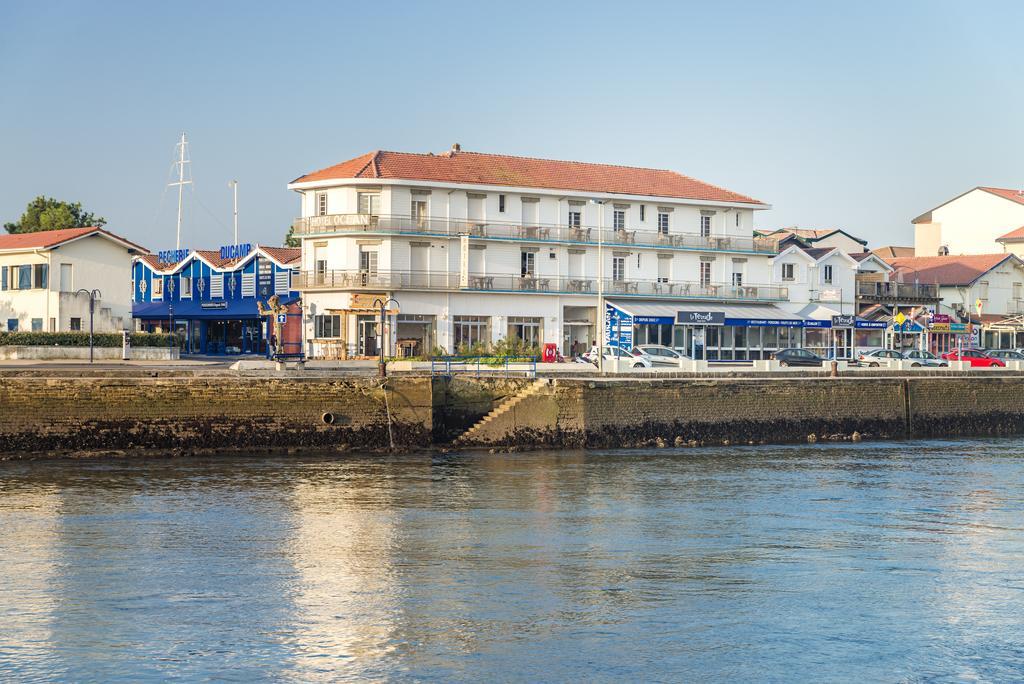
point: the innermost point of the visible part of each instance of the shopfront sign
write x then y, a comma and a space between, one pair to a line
653, 320
214, 305
940, 318
830, 294
366, 300
700, 317
618, 327
265, 279
172, 256
871, 325
842, 321
235, 251
940, 327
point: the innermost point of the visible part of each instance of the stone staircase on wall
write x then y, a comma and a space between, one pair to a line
470, 435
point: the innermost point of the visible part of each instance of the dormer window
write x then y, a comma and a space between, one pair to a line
789, 272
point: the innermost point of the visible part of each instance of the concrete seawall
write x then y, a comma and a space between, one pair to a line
62, 414
615, 413
70, 414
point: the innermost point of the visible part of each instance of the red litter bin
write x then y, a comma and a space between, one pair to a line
550, 352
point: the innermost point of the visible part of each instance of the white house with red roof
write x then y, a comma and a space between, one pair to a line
971, 223
42, 276
480, 247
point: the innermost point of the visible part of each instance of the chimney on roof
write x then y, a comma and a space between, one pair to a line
456, 148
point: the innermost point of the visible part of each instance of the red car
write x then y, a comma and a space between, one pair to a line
976, 357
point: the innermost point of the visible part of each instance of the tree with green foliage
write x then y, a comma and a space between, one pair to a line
47, 213
290, 240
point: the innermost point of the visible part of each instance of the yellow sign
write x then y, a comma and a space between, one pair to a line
900, 318
978, 304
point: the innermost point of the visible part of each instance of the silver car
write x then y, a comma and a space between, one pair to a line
921, 357
659, 355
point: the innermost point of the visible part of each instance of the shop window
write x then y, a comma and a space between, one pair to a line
328, 326
528, 330
470, 330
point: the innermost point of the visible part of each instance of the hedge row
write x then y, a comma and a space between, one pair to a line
81, 339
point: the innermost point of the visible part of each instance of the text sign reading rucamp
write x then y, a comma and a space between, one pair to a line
843, 321
700, 317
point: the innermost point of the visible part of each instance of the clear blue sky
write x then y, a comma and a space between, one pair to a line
856, 115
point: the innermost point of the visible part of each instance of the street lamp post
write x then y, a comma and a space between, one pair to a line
93, 295
600, 286
382, 367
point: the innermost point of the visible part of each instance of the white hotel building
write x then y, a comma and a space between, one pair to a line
478, 247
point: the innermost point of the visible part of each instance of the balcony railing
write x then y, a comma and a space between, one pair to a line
406, 280
401, 225
897, 291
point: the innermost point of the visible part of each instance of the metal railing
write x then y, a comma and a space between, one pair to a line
508, 366
540, 232
891, 290
413, 280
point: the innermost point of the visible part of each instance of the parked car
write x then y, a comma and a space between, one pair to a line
976, 357
659, 355
923, 357
613, 353
797, 357
878, 357
1007, 354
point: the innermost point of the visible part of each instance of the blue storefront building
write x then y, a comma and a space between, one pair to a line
210, 296
730, 332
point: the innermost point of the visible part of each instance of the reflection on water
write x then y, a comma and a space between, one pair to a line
854, 562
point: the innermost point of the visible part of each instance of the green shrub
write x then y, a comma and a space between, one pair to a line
81, 339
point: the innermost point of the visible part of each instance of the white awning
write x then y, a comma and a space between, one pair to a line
664, 310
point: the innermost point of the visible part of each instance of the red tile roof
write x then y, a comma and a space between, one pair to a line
47, 239
947, 270
284, 255
1012, 236
1006, 193
496, 169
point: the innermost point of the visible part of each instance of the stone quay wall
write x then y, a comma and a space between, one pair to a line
63, 414
84, 412
676, 412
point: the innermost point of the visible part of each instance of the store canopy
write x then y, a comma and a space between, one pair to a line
664, 313
216, 310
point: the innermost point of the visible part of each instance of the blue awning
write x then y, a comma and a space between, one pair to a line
209, 310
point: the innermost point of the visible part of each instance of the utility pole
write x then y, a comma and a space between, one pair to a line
180, 162
234, 188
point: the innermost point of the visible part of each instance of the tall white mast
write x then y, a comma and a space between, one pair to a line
180, 162
234, 187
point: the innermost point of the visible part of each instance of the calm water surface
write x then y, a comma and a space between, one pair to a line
856, 562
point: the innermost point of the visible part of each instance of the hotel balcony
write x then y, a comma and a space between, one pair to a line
342, 224
892, 293
391, 281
